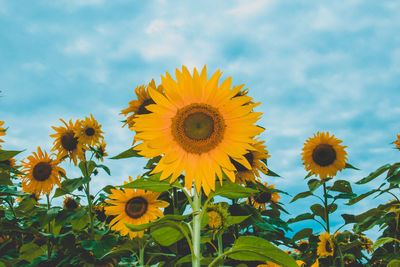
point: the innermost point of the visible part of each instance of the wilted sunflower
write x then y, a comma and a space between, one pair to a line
2, 131
88, 131
139, 106
101, 151
366, 244
255, 159
262, 198
397, 142
217, 217
133, 207
41, 173
323, 155
325, 246
70, 203
66, 143
197, 125
302, 246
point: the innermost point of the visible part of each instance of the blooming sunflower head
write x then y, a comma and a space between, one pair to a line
325, 246
217, 217
323, 155
41, 173
135, 207
256, 158
197, 126
265, 196
2, 131
70, 203
397, 142
66, 143
88, 131
302, 246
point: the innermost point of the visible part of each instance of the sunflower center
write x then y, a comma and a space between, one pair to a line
142, 108
136, 207
264, 197
239, 167
198, 128
303, 246
42, 171
328, 247
89, 131
71, 204
68, 141
324, 155
215, 219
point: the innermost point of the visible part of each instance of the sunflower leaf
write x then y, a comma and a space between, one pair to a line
5, 179
360, 197
129, 153
341, 186
349, 166
303, 233
232, 190
272, 173
384, 240
313, 184
68, 186
302, 217
30, 251
374, 174
301, 195
7, 154
318, 210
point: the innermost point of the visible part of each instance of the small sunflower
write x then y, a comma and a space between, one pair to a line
8, 163
88, 131
325, 246
255, 159
66, 143
2, 131
262, 198
323, 155
197, 126
70, 203
397, 142
217, 217
302, 246
139, 106
101, 151
41, 173
366, 244
133, 207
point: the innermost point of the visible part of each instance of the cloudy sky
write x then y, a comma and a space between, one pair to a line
331, 66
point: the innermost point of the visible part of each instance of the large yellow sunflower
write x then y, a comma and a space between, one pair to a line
2, 131
323, 155
260, 200
325, 246
88, 131
133, 207
255, 159
197, 125
139, 105
41, 173
397, 142
66, 143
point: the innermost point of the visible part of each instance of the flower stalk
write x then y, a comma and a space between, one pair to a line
196, 256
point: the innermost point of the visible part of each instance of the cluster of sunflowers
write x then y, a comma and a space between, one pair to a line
202, 199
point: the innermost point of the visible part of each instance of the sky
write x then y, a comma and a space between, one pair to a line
315, 66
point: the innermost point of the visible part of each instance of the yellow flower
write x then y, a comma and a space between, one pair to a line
325, 246
261, 199
397, 142
9, 163
323, 155
302, 246
66, 143
366, 244
41, 173
316, 264
133, 207
101, 151
217, 216
70, 203
197, 125
139, 106
88, 131
2, 131
255, 159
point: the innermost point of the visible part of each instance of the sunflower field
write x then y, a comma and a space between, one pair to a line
206, 197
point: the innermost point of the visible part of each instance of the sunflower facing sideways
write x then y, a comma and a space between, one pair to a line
41, 173
264, 197
66, 143
2, 131
197, 126
323, 155
133, 207
397, 142
88, 131
325, 246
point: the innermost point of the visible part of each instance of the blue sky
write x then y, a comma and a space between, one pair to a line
331, 66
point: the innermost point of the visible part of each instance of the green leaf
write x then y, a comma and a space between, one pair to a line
394, 263
301, 195
332, 207
341, 186
345, 196
314, 184
164, 219
384, 240
306, 232
105, 168
251, 248
87, 167
7, 154
5, 178
318, 210
374, 174
302, 217
271, 173
394, 179
236, 219
167, 234
8, 190
231, 190
152, 184
30, 252
81, 222
101, 247
129, 153
349, 166
69, 185
360, 197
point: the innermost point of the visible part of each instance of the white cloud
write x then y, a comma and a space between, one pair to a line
81, 45
245, 9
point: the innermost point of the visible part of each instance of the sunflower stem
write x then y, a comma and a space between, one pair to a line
50, 230
141, 253
91, 233
326, 208
196, 256
220, 246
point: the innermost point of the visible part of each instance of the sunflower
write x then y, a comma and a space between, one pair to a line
41, 173
70, 203
2, 131
323, 155
302, 246
217, 217
133, 207
139, 106
325, 246
255, 159
397, 142
66, 143
366, 244
315, 264
262, 198
101, 151
198, 126
300, 263
88, 131
8, 163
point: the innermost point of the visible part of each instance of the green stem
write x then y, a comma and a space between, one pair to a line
220, 246
50, 230
196, 256
340, 255
90, 211
141, 254
326, 208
